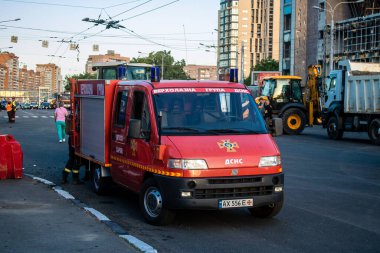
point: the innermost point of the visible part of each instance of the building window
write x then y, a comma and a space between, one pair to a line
287, 22
287, 50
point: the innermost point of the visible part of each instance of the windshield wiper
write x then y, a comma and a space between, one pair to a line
181, 129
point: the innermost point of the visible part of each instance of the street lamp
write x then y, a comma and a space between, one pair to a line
332, 10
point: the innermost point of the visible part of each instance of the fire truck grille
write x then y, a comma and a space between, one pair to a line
235, 180
233, 192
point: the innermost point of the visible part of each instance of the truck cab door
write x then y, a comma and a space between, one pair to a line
333, 88
119, 130
139, 142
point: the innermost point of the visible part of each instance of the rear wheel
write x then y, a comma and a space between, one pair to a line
268, 211
152, 204
374, 131
294, 121
333, 130
99, 183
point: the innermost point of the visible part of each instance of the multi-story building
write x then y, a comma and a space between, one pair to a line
110, 56
248, 32
49, 74
305, 36
9, 71
201, 72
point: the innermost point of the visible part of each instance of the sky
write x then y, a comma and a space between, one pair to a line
179, 26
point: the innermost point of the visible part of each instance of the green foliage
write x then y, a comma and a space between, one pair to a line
170, 68
267, 64
77, 76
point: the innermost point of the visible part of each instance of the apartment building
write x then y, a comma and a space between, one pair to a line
201, 72
9, 71
110, 56
248, 31
305, 33
50, 75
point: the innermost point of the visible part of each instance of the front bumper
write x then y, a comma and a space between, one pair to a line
206, 192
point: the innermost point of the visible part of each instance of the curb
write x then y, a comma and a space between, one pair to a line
115, 228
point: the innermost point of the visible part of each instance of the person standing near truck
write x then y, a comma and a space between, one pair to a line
60, 115
13, 111
9, 111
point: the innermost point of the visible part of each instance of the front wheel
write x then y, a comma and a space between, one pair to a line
333, 130
99, 183
267, 211
294, 121
374, 131
152, 204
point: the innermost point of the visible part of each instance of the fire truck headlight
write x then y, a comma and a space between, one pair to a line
269, 161
187, 164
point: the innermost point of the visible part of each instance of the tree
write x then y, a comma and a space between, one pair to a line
171, 69
77, 76
267, 64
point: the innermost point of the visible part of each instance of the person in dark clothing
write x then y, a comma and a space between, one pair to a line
268, 110
72, 165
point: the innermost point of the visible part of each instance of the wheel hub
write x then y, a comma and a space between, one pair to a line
153, 202
294, 122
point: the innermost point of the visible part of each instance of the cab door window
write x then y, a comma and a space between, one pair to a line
140, 112
121, 108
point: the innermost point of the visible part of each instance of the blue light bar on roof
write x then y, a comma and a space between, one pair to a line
233, 75
155, 74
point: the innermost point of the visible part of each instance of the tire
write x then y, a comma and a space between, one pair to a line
333, 130
294, 121
268, 211
152, 204
374, 131
99, 184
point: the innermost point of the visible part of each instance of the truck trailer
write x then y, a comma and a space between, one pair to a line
178, 145
352, 102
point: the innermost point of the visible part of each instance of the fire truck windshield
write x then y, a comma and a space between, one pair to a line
208, 113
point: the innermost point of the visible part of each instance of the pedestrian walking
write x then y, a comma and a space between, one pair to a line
9, 111
60, 115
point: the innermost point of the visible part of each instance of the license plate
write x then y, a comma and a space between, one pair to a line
234, 203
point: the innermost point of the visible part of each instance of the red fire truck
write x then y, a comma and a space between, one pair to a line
178, 144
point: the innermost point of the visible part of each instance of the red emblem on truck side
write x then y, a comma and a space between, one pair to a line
133, 147
230, 146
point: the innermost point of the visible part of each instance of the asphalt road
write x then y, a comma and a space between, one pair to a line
332, 196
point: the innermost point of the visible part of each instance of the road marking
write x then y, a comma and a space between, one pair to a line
35, 117
27, 117
44, 181
97, 214
45, 117
51, 116
63, 193
142, 246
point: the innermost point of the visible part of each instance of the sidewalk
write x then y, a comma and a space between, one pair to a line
34, 218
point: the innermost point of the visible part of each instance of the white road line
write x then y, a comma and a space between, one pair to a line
45, 117
35, 117
142, 246
27, 117
51, 116
44, 181
97, 214
63, 193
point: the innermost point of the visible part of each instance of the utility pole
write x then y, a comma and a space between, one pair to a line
242, 63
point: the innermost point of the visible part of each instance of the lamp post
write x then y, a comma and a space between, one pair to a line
332, 10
